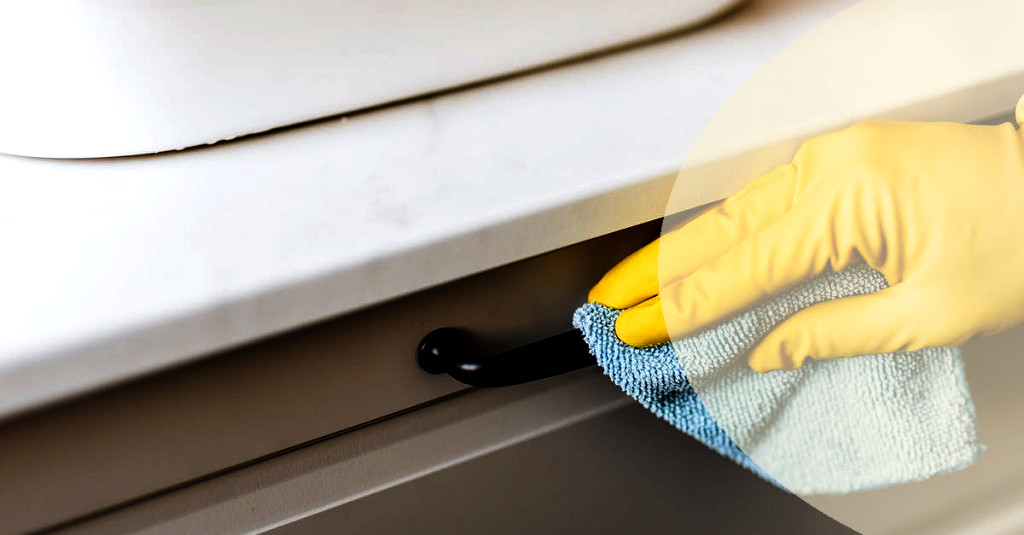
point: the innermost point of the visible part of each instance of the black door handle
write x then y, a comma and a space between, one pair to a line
453, 351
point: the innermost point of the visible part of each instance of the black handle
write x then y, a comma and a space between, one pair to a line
453, 351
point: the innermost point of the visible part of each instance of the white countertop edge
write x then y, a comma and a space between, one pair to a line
47, 380
565, 195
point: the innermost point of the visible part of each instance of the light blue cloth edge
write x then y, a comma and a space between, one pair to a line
653, 377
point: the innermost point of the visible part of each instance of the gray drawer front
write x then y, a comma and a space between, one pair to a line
635, 475
567, 455
149, 435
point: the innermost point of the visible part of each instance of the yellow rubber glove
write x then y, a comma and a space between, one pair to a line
938, 208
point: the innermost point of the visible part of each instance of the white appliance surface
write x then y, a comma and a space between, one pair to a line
98, 78
117, 267
120, 266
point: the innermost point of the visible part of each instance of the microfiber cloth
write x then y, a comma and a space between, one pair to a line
829, 427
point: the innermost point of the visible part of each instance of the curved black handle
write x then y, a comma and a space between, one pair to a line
451, 350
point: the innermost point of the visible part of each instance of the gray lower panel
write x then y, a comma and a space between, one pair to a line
623, 472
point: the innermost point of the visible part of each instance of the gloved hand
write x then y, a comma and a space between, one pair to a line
938, 208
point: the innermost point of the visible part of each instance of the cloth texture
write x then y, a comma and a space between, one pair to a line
829, 427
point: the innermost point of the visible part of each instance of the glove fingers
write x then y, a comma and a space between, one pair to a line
642, 325
769, 261
852, 326
695, 242
631, 281
756, 206
635, 278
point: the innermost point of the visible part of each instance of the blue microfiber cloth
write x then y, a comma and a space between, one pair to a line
829, 427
